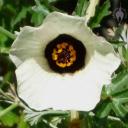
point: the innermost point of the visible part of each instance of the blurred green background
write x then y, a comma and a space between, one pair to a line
112, 111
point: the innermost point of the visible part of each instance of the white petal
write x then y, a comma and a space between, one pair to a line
42, 90
16, 33
31, 41
26, 45
81, 91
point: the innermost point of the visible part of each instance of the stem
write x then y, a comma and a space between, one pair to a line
43, 9
91, 9
49, 124
11, 107
4, 50
74, 119
112, 118
7, 33
74, 115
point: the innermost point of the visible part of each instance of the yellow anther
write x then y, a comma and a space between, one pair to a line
69, 64
62, 65
54, 56
59, 50
64, 55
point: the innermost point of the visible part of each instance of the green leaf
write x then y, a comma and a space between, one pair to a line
117, 93
125, 53
3, 39
21, 15
119, 84
116, 44
41, 8
37, 18
34, 116
114, 97
39, 12
52, 1
104, 109
1, 4
9, 119
81, 7
7, 33
22, 123
118, 108
100, 13
4, 50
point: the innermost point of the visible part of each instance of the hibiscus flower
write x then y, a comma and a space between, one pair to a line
62, 64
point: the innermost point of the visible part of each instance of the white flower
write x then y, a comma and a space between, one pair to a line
62, 64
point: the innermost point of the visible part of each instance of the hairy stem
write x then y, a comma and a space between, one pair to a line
7, 33
74, 119
11, 107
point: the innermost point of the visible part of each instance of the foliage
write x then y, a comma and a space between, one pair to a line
81, 7
112, 110
100, 13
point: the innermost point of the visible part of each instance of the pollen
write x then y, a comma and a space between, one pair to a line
64, 55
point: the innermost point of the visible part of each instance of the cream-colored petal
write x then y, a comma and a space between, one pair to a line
58, 91
26, 45
60, 23
74, 26
31, 42
42, 90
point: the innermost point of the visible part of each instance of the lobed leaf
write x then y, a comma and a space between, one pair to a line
101, 12
81, 7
